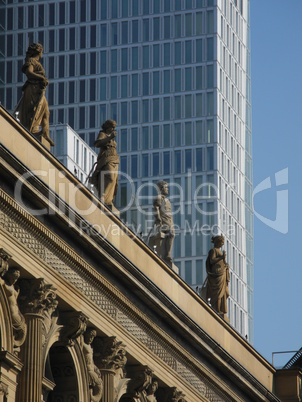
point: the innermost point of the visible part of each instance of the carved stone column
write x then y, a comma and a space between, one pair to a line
111, 359
37, 298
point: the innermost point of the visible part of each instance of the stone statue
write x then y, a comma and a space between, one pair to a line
95, 380
19, 325
164, 223
105, 175
151, 391
218, 276
32, 109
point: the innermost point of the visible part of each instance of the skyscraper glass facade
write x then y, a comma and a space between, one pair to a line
175, 75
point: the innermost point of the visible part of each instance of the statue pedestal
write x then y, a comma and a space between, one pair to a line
46, 142
175, 268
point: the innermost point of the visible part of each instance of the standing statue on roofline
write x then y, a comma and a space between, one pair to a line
32, 109
218, 277
105, 175
164, 233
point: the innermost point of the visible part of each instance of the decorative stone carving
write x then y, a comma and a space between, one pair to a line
37, 296
164, 233
94, 374
218, 277
173, 395
32, 109
141, 379
74, 325
105, 175
10, 277
111, 358
3, 389
4, 257
150, 397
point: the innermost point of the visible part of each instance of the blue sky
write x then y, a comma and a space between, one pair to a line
276, 38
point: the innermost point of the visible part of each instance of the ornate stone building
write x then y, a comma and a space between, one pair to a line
89, 312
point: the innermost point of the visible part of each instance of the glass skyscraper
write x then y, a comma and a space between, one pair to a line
175, 75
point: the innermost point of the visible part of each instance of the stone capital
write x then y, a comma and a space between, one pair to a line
37, 297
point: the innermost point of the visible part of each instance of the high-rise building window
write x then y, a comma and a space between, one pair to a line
82, 64
188, 52
177, 134
93, 14
124, 63
72, 12
146, 7
210, 158
210, 49
177, 5
83, 10
114, 61
103, 5
103, 89
177, 80
72, 64
124, 86
103, 61
145, 110
167, 27
166, 135
166, 108
134, 8
123, 164
167, 57
188, 78
51, 41
188, 106
72, 39
134, 112
124, 140
177, 107
51, 14
82, 90
145, 30
156, 29
156, 82
155, 164
103, 35
134, 58
145, 83
61, 94
124, 32
124, 113
198, 50
166, 169
124, 8
167, 5
134, 84
145, 165
134, 166
145, 56
156, 60
134, 139
199, 159
177, 53
177, 162
92, 84
166, 81
177, 26
188, 159
210, 22
145, 138
155, 137
188, 25
210, 103
134, 31
156, 109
